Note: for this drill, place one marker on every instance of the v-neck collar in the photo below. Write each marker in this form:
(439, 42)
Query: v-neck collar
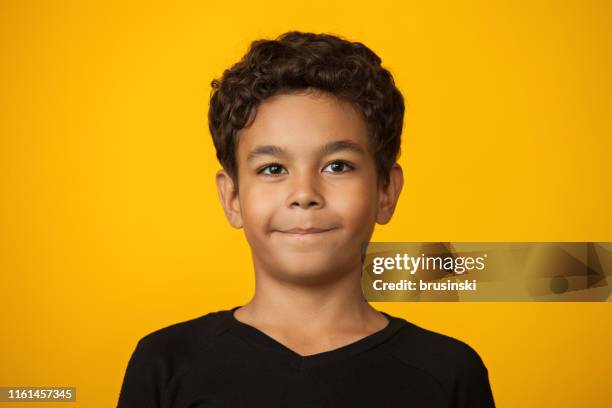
(262, 339)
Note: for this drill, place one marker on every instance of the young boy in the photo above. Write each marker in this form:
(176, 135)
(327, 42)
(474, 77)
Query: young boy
(307, 128)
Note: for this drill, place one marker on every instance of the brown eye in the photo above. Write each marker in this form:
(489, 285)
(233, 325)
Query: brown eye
(338, 167)
(272, 170)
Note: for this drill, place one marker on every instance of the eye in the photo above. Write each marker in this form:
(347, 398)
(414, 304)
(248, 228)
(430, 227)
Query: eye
(338, 166)
(272, 170)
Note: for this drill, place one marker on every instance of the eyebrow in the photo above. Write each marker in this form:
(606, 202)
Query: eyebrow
(329, 148)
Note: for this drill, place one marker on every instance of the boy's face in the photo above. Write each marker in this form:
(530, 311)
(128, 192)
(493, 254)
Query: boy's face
(308, 192)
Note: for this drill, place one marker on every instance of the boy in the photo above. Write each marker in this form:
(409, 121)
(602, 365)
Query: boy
(307, 129)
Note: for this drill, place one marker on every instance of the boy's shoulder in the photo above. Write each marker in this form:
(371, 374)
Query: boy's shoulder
(450, 361)
(428, 341)
(182, 338)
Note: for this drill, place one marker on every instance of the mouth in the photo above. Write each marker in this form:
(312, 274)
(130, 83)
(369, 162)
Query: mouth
(305, 231)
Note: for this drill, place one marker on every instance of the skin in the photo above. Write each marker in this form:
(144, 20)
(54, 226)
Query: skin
(308, 198)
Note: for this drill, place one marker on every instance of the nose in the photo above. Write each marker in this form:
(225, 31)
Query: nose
(305, 192)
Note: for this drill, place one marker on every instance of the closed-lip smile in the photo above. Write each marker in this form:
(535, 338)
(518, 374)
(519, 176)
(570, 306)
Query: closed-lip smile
(306, 231)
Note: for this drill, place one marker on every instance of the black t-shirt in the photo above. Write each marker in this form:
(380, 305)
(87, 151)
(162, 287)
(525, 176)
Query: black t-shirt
(218, 361)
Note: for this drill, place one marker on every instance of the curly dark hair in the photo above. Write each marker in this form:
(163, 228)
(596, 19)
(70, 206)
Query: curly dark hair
(298, 61)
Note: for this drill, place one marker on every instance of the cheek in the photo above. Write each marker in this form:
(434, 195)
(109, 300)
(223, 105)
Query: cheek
(357, 204)
(258, 204)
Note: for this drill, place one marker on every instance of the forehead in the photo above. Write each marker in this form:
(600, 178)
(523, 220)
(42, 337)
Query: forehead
(303, 122)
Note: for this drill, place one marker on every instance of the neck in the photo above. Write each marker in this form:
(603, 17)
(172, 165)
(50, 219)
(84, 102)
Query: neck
(337, 302)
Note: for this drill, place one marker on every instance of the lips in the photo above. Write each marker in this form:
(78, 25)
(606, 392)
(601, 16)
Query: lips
(306, 231)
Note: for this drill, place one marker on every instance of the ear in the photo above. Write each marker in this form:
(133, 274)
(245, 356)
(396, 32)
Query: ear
(229, 198)
(389, 194)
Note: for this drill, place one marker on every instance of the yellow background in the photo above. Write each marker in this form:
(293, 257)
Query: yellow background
(110, 226)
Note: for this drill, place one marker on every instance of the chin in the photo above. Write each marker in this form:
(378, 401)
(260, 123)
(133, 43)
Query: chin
(307, 271)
